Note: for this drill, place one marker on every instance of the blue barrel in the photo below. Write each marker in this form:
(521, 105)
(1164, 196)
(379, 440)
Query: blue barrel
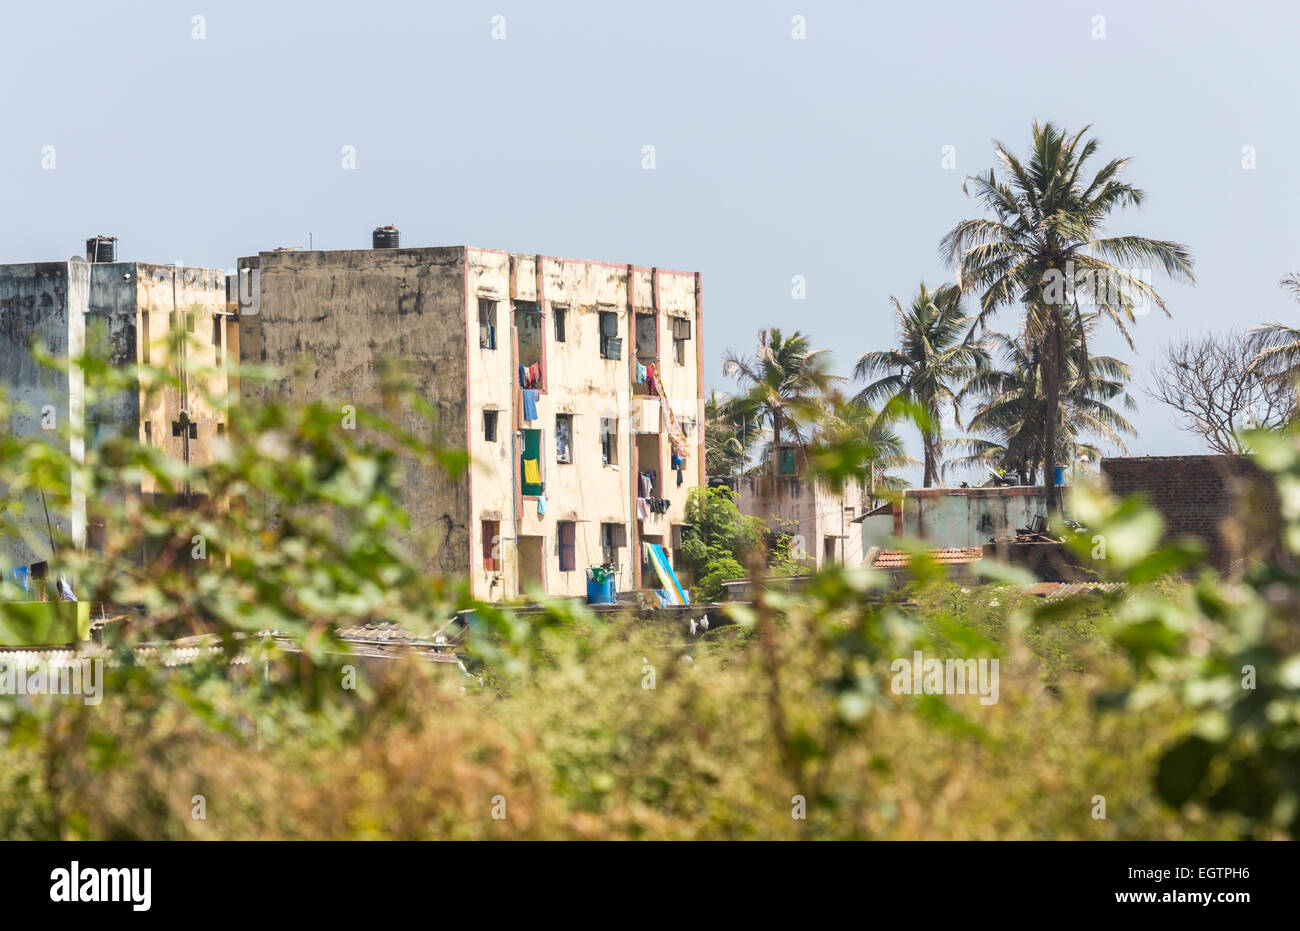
(1058, 475)
(600, 587)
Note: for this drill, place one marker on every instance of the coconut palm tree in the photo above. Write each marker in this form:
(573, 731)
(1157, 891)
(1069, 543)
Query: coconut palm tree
(1012, 407)
(1043, 249)
(1275, 347)
(727, 437)
(784, 385)
(928, 368)
(854, 440)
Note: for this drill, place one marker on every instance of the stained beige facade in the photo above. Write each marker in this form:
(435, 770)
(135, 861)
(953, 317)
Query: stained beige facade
(461, 322)
(821, 520)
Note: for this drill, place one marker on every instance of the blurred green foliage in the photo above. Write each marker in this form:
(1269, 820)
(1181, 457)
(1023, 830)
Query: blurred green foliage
(561, 724)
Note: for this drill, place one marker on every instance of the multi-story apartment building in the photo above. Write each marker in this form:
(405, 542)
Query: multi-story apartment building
(124, 312)
(574, 385)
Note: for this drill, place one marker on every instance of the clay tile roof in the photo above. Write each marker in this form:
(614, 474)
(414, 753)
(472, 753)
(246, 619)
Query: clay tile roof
(947, 555)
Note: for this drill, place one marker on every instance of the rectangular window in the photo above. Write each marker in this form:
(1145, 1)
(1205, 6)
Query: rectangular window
(681, 335)
(487, 324)
(560, 313)
(613, 537)
(530, 464)
(564, 438)
(190, 321)
(144, 337)
(568, 559)
(611, 344)
(492, 545)
(647, 337)
(788, 466)
(609, 441)
(148, 433)
(676, 541)
(528, 326)
(490, 426)
(216, 338)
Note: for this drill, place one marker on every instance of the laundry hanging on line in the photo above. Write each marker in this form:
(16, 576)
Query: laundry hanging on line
(530, 376)
(676, 438)
(532, 472)
(530, 404)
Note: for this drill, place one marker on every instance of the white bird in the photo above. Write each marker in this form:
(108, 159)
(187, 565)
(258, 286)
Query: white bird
(704, 622)
(692, 627)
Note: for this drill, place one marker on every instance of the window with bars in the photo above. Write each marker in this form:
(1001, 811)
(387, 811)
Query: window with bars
(611, 344)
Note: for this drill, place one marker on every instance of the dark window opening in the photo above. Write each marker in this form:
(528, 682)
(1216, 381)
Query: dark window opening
(681, 335)
(528, 324)
(611, 344)
(487, 324)
(490, 426)
(609, 441)
(560, 314)
(564, 438)
(144, 337)
(647, 337)
(216, 338)
(568, 558)
(492, 545)
(612, 538)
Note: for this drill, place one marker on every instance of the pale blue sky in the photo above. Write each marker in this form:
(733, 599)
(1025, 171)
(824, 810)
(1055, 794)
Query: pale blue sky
(774, 157)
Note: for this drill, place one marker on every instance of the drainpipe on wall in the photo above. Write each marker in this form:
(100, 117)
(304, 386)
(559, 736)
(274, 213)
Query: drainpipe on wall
(634, 466)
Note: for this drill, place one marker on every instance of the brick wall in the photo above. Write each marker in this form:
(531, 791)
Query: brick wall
(1226, 502)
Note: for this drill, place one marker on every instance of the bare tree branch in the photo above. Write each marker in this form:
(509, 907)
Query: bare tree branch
(1215, 393)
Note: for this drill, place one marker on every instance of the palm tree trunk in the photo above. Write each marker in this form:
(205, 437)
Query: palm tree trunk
(1053, 357)
(776, 442)
(929, 462)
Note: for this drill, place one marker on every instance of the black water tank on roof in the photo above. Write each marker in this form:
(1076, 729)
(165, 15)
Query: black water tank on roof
(101, 249)
(385, 237)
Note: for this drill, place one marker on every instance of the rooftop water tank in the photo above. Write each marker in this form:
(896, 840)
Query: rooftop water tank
(101, 249)
(385, 237)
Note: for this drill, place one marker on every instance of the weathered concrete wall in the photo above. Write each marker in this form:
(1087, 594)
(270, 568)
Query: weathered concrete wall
(43, 302)
(966, 516)
(329, 320)
(102, 308)
(811, 510)
(581, 384)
